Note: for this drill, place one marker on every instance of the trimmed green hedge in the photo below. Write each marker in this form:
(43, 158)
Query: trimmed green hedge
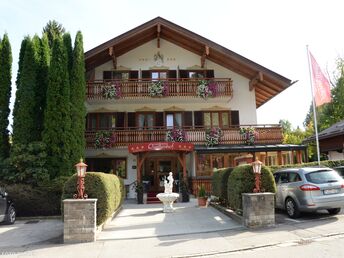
(219, 184)
(107, 188)
(42, 200)
(241, 180)
(326, 163)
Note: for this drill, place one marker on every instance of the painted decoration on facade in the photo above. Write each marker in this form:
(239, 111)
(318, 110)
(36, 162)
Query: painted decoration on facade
(160, 146)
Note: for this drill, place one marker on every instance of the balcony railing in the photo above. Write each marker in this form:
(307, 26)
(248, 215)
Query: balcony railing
(267, 134)
(140, 88)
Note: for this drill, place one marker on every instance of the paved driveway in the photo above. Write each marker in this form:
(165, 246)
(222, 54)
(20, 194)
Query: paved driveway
(142, 221)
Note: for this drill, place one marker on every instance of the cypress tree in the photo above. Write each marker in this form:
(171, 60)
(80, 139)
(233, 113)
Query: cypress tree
(24, 110)
(53, 30)
(57, 123)
(67, 41)
(5, 94)
(20, 62)
(78, 91)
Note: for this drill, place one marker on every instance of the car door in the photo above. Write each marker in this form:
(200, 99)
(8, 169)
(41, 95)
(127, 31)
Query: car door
(2, 205)
(282, 189)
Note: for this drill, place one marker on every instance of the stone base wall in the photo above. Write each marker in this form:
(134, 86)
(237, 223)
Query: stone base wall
(79, 220)
(258, 209)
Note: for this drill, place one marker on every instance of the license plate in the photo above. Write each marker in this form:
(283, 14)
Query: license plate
(331, 191)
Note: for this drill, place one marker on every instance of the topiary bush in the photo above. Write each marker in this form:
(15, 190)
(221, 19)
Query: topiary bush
(219, 184)
(241, 180)
(107, 188)
(41, 200)
(325, 163)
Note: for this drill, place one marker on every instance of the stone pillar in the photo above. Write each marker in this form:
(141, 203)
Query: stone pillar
(79, 220)
(258, 209)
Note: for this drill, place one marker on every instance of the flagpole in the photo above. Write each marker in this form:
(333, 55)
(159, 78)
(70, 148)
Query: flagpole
(314, 108)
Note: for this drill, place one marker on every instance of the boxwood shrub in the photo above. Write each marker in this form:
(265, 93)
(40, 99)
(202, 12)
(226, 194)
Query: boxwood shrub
(41, 200)
(241, 180)
(107, 188)
(325, 163)
(219, 184)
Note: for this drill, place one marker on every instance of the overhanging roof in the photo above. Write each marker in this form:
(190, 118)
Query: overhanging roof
(266, 83)
(333, 131)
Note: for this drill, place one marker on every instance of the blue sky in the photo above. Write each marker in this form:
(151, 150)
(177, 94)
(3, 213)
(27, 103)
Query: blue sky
(269, 32)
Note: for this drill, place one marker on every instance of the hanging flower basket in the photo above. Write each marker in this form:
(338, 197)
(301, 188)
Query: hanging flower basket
(206, 89)
(213, 136)
(112, 91)
(158, 89)
(104, 140)
(176, 135)
(249, 135)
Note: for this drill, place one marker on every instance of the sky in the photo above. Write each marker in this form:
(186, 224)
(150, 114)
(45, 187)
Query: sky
(269, 32)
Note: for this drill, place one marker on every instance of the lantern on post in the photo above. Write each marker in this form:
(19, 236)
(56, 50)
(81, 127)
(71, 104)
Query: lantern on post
(257, 167)
(81, 173)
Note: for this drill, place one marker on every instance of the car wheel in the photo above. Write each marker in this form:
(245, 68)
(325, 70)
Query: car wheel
(334, 211)
(11, 215)
(291, 208)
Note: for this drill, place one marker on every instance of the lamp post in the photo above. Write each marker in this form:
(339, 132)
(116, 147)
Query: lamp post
(81, 172)
(257, 167)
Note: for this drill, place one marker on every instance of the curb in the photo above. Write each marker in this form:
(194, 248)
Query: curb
(228, 212)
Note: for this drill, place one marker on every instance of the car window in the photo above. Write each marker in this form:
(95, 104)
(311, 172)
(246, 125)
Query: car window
(276, 176)
(323, 176)
(283, 178)
(294, 177)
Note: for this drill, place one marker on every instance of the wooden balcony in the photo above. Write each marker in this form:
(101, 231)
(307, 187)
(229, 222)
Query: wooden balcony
(266, 134)
(133, 89)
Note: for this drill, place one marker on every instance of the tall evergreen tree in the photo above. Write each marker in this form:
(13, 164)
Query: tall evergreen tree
(67, 40)
(5, 94)
(23, 114)
(53, 30)
(57, 121)
(21, 59)
(78, 91)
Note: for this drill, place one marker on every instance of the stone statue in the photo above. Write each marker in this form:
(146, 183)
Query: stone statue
(168, 186)
(167, 198)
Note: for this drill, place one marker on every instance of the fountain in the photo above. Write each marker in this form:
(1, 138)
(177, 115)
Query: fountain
(167, 198)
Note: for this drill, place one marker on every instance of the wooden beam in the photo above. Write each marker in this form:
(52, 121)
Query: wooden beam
(204, 56)
(258, 78)
(158, 35)
(113, 57)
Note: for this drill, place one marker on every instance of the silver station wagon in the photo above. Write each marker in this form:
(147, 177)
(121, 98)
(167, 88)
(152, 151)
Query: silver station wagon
(309, 189)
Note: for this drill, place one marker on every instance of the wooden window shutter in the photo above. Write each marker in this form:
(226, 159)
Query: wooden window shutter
(131, 119)
(198, 115)
(172, 74)
(120, 119)
(235, 118)
(146, 74)
(210, 74)
(159, 119)
(188, 118)
(183, 74)
(133, 74)
(107, 75)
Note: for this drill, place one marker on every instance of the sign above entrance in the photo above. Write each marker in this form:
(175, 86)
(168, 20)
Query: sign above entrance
(160, 146)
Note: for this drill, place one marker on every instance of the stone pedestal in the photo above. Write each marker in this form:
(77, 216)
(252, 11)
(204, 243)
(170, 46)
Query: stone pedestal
(167, 200)
(258, 209)
(79, 220)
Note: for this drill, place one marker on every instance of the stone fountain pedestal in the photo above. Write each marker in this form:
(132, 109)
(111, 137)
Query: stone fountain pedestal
(167, 199)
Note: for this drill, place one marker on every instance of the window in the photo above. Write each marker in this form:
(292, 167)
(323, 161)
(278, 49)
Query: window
(174, 120)
(116, 75)
(206, 163)
(120, 167)
(103, 121)
(146, 120)
(216, 119)
(294, 177)
(196, 74)
(157, 75)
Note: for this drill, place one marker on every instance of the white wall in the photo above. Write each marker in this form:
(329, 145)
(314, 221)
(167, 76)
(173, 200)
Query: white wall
(174, 56)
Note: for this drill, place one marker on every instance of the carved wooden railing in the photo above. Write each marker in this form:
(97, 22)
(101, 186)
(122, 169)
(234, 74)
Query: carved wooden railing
(139, 88)
(267, 134)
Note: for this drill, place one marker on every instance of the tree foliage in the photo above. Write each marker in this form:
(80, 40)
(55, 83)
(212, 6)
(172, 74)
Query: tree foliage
(53, 30)
(57, 120)
(24, 127)
(5, 94)
(78, 91)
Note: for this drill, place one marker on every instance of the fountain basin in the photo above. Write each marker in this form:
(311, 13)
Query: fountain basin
(167, 199)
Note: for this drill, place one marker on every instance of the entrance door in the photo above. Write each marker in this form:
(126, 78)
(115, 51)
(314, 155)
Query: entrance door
(156, 169)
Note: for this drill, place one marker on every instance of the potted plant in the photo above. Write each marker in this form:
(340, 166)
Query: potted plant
(183, 188)
(158, 89)
(139, 191)
(176, 135)
(202, 196)
(206, 89)
(212, 136)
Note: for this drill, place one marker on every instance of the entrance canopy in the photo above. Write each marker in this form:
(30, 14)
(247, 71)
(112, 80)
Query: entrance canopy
(160, 146)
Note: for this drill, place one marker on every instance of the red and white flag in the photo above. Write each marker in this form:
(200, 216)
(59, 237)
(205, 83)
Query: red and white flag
(321, 86)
